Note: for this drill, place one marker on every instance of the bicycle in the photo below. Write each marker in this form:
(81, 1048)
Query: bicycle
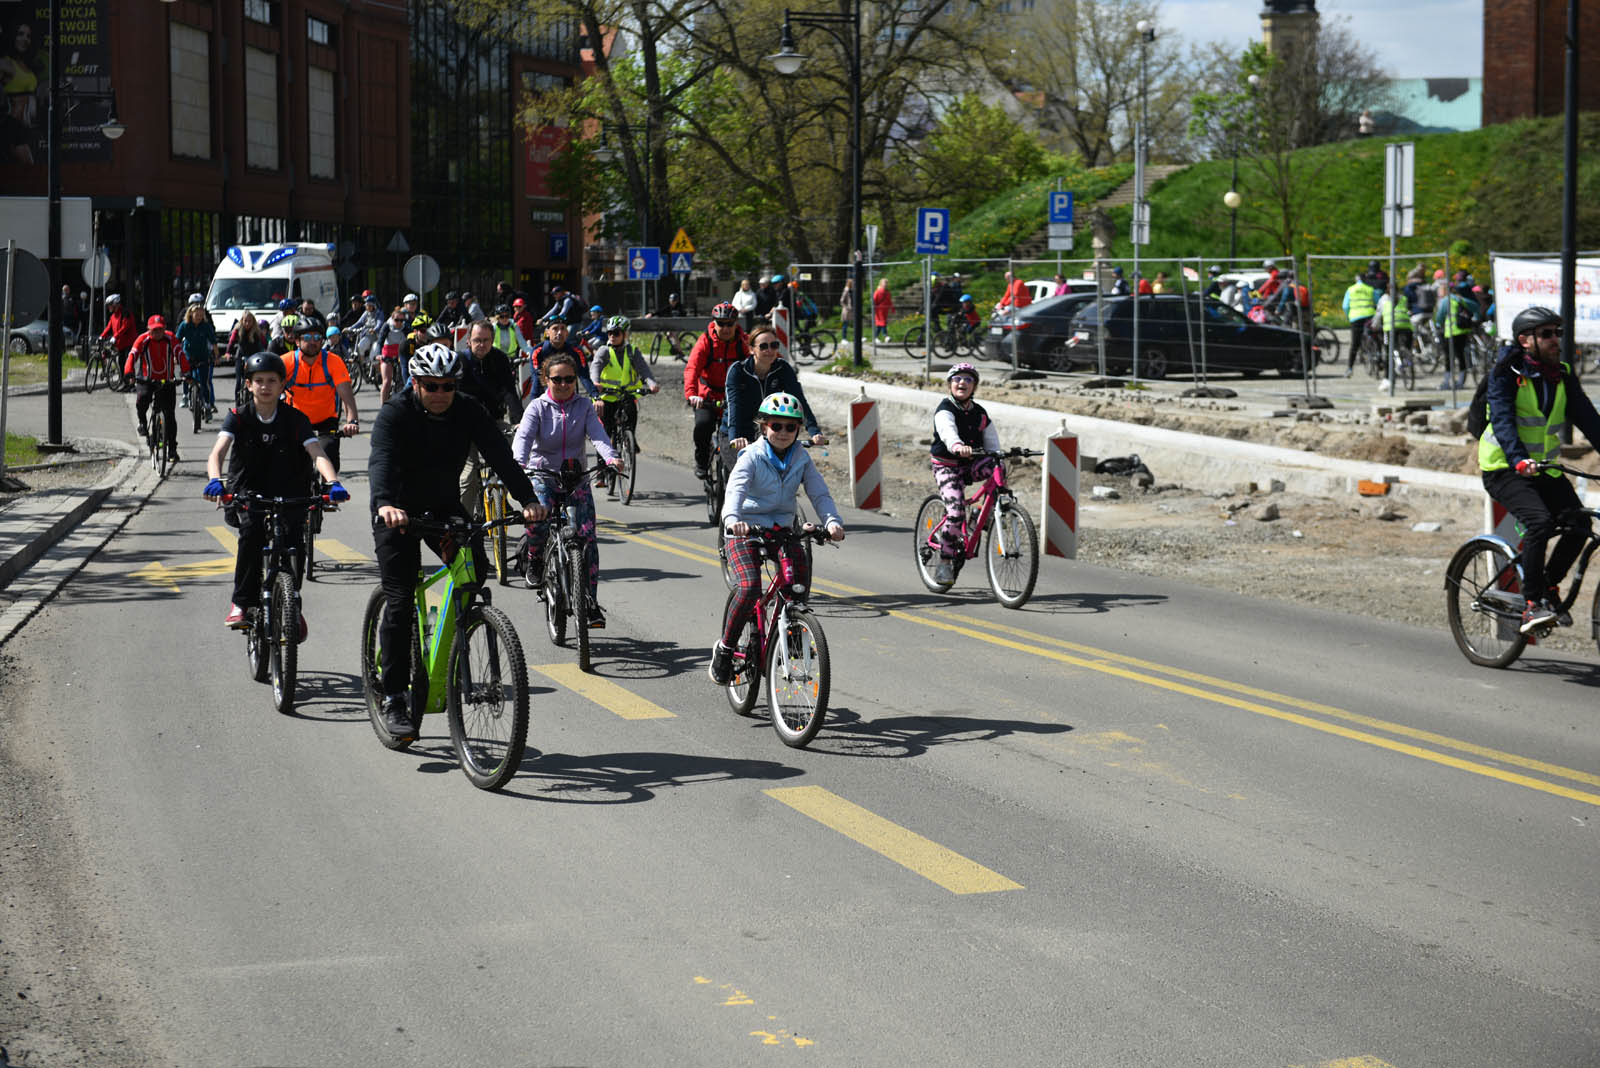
(715, 482)
(194, 402)
(466, 660)
(1483, 590)
(914, 337)
(677, 345)
(314, 525)
(272, 638)
(812, 345)
(625, 442)
(994, 519)
(161, 454)
(496, 509)
(105, 366)
(783, 643)
(1326, 344)
(566, 569)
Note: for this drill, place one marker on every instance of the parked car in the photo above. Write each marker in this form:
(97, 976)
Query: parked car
(1044, 330)
(1170, 329)
(30, 337)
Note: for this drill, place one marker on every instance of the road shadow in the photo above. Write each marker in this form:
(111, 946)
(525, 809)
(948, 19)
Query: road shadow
(610, 778)
(644, 574)
(1574, 671)
(623, 658)
(328, 697)
(845, 733)
(880, 604)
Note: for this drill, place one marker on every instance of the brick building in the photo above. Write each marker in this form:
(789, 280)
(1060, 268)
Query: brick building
(1524, 59)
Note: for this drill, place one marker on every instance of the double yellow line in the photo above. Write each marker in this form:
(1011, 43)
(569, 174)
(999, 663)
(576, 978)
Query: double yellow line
(1328, 719)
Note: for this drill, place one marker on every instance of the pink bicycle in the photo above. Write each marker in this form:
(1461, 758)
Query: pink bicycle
(993, 520)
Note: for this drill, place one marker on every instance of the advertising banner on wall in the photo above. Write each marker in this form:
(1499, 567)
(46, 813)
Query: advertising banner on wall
(542, 146)
(25, 75)
(1523, 283)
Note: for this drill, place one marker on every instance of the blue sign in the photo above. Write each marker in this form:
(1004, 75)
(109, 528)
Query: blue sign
(933, 231)
(1060, 206)
(558, 247)
(682, 262)
(644, 264)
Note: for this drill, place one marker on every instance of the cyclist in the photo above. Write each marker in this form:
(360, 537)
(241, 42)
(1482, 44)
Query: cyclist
(762, 490)
(283, 326)
(486, 377)
(617, 368)
(967, 314)
(1532, 396)
(553, 435)
(390, 344)
(556, 343)
(522, 315)
(1360, 305)
(1395, 314)
(276, 452)
(419, 442)
(199, 341)
(960, 428)
(1457, 318)
(706, 373)
(672, 309)
(454, 313)
(318, 384)
(413, 306)
(566, 307)
(752, 380)
(154, 361)
(120, 327)
(508, 336)
(593, 332)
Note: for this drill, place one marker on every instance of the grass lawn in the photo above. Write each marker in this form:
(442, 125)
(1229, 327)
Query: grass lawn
(21, 449)
(32, 369)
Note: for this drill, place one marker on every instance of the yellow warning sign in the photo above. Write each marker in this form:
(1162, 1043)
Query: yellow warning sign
(681, 243)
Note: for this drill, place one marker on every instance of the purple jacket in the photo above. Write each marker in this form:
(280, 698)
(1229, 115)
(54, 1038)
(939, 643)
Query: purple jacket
(550, 433)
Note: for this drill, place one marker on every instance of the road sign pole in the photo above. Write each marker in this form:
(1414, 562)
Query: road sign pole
(927, 318)
(5, 357)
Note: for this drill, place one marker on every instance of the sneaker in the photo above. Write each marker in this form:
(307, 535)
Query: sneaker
(701, 473)
(1563, 617)
(597, 615)
(237, 618)
(945, 573)
(144, 430)
(396, 717)
(172, 456)
(1537, 614)
(721, 669)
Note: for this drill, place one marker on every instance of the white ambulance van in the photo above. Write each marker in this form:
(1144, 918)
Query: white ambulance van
(256, 277)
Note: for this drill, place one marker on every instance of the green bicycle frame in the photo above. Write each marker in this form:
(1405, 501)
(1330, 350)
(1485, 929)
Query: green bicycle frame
(437, 639)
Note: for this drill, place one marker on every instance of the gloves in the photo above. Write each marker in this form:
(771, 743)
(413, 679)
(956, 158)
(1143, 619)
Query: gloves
(337, 493)
(214, 488)
(1527, 467)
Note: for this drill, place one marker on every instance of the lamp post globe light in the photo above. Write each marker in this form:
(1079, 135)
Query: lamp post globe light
(846, 28)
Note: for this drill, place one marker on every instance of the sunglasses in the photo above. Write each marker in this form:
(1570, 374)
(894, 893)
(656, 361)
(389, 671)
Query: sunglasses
(617, 333)
(437, 387)
(562, 380)
(1548, 332)
(784, 428)
(765, 345)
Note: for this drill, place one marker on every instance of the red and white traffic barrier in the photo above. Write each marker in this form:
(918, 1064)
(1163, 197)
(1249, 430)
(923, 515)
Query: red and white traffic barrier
(1060, 494)
(780, 323)
(1498, 521)
(866, 465)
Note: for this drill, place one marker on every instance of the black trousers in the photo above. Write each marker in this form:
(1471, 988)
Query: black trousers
(1537, 502)
(164, 395)
(399, 556)
(247, 561)
(1358, 330)
(706, 418)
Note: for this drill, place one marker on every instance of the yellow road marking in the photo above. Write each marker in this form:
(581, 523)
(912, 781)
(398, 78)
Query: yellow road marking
(338, 550)
(603, 692)
(1364, 1061)
(225, 537)
(910, 850)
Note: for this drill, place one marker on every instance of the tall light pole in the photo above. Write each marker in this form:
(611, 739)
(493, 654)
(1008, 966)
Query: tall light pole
(1232, 198)
(846, 28)
(1141, 224)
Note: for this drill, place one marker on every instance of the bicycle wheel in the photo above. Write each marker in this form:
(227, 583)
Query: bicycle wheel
(197, 409)
(728, 578)
(1327, 345)
(683, 344)
(310, 538)
(797, 678)
(358, 372)
(1484, 603)
(494, 510)
(160, 456)
(91, 373)
(555, 601)
(924, 553)
(256, 642)
(654, 352)
(1011, 550)
(824, 345)
(285, 639)
(744, 681)
(578, 585)
(628, 449)
(372, 676)
(1594, 617)
(488, 698)
(946, 344)
(716, 483)
(914, 338)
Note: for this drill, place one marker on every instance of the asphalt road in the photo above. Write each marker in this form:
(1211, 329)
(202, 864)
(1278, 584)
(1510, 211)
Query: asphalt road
(1132, 824)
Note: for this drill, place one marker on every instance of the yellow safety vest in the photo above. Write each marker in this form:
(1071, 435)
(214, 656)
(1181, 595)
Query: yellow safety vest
(1400, 305)
(1539, 434)
(618, 375)
(1362, 304)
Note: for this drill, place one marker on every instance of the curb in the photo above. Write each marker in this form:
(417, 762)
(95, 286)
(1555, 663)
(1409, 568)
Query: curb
(24, 558)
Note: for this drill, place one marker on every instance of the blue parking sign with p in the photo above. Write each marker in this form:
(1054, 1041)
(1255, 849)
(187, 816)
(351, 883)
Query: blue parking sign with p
(1061, 206)
(933, 231)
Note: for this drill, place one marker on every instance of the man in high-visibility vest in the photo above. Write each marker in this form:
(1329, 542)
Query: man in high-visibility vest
(617, 369)
(1532, 399)
(1456, 318)
(1360, 305)
(1394, 312)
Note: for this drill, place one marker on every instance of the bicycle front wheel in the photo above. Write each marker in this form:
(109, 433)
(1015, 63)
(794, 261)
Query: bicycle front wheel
(628, 449)
(715, 484)
(683, 344)
(744, 679)
(310, 538)
(197, 409)
(578, 590)
(555, 601)
(797, 678)
(494, 510)
(256, 645)
(1012, 554)
(488, 698)
(1483, 600)
(91, 373)
(914, 338)
(924, 547)
(1327, 345)
(160, 456)
(372, 675)
(285, 641)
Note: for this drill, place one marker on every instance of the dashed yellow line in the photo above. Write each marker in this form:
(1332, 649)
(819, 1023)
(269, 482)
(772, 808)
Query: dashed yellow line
(603, 692)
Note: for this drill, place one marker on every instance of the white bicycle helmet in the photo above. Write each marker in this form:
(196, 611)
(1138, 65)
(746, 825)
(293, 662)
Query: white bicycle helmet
(113, 298)
(435, 361)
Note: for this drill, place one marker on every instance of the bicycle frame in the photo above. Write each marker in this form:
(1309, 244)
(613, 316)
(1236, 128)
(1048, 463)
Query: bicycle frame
(987, 498)
(437, 639)
(775, 601)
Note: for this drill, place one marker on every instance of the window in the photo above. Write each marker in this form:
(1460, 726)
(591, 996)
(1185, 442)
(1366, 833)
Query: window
(260, 109)
(262, 11)
(319, 32)
(320, 128)
(189, 81)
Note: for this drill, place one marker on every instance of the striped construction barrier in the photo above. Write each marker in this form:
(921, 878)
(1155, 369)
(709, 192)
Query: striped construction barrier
(1059, 491)
(780, 323)
(866, 465)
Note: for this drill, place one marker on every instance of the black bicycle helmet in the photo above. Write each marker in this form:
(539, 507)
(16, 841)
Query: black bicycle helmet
(262, 362)
(1531, 319)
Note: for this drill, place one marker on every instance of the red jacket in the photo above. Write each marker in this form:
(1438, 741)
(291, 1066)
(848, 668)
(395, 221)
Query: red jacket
(1018, 295)
(154, 358)
(709, 360)
(122, 330)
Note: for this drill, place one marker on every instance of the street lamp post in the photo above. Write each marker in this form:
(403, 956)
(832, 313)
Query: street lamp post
(1232, 198)
(789, 61)
(1141, 228)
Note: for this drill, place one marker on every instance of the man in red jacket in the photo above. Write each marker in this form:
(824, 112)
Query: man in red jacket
(156, 361)
(720, 347)
(1018, 294)
(120, 327)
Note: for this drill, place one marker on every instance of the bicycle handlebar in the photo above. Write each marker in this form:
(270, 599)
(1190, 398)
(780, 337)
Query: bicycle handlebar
(1017, 453)
(426, 523)
(1539, 465)
(779, 535)
(248, 498)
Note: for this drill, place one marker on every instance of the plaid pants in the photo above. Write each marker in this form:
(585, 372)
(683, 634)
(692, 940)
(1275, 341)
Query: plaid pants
(744, 560)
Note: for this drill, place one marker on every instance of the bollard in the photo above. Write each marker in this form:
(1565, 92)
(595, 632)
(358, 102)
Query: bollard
(866, 466)
(1498, 521)
(1060, 494)
(780, 323)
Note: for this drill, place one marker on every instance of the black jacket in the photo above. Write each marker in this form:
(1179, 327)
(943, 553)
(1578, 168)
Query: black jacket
(417, 458)
(745, 392)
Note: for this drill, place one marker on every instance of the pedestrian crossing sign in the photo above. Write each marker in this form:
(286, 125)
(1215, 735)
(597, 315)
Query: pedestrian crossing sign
(681, 243)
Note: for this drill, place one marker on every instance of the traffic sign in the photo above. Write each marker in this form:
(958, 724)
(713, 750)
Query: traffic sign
(558, 247)
(1399, 192)
(398, 245)
(1059, 206)
(933, 231)
(644, 264)
(1059, 238)
(30, 290)
(681, 243)
(97, 269)
(421, 273)
(682, 262)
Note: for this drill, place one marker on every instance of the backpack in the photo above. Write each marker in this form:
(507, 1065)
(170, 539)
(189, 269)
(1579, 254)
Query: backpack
(1465, 319)
(1478, 407)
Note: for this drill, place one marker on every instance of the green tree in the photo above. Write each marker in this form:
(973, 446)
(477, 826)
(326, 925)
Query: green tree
(976, 151)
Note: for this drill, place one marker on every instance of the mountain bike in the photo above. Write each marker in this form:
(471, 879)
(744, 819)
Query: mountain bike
(313, 527)
(193, 402)
(715, 482)
(496, 510)
(104, 369)
(161, 454)
(1483, 589)
(272, 639)
(914, 338)
(782, 643)
(1326, 344)
(625, 441)
(809, 345)
(675, 345)
(992, 518)
(566, 568)
(466, 659)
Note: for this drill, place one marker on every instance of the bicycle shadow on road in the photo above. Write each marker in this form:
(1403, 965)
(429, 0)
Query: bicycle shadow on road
(625, 659)
(877, 604)
(328, 697)
(845, 733)
(629, 778)
(1574, 671)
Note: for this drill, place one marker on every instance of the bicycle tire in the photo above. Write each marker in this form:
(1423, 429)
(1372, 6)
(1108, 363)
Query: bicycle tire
(358, 372)
(824, 344)
(1486, 629)
(744, 679)
(945, 344)
(1327, 344)
(372, 676)
(555, 601)
(488, 725)
(728, 578)
(930, 517)
(716, 485)
(255, 648)
(494, 510)
(627, 448)
(1012, 574)
(310, 538)
(654, 352)
(577, 582)
(197, 409)
(285, 638)
(798, 678)
(91, 373)
(159, 452)
(683, 344)
(1594, 617)
(914, 338)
